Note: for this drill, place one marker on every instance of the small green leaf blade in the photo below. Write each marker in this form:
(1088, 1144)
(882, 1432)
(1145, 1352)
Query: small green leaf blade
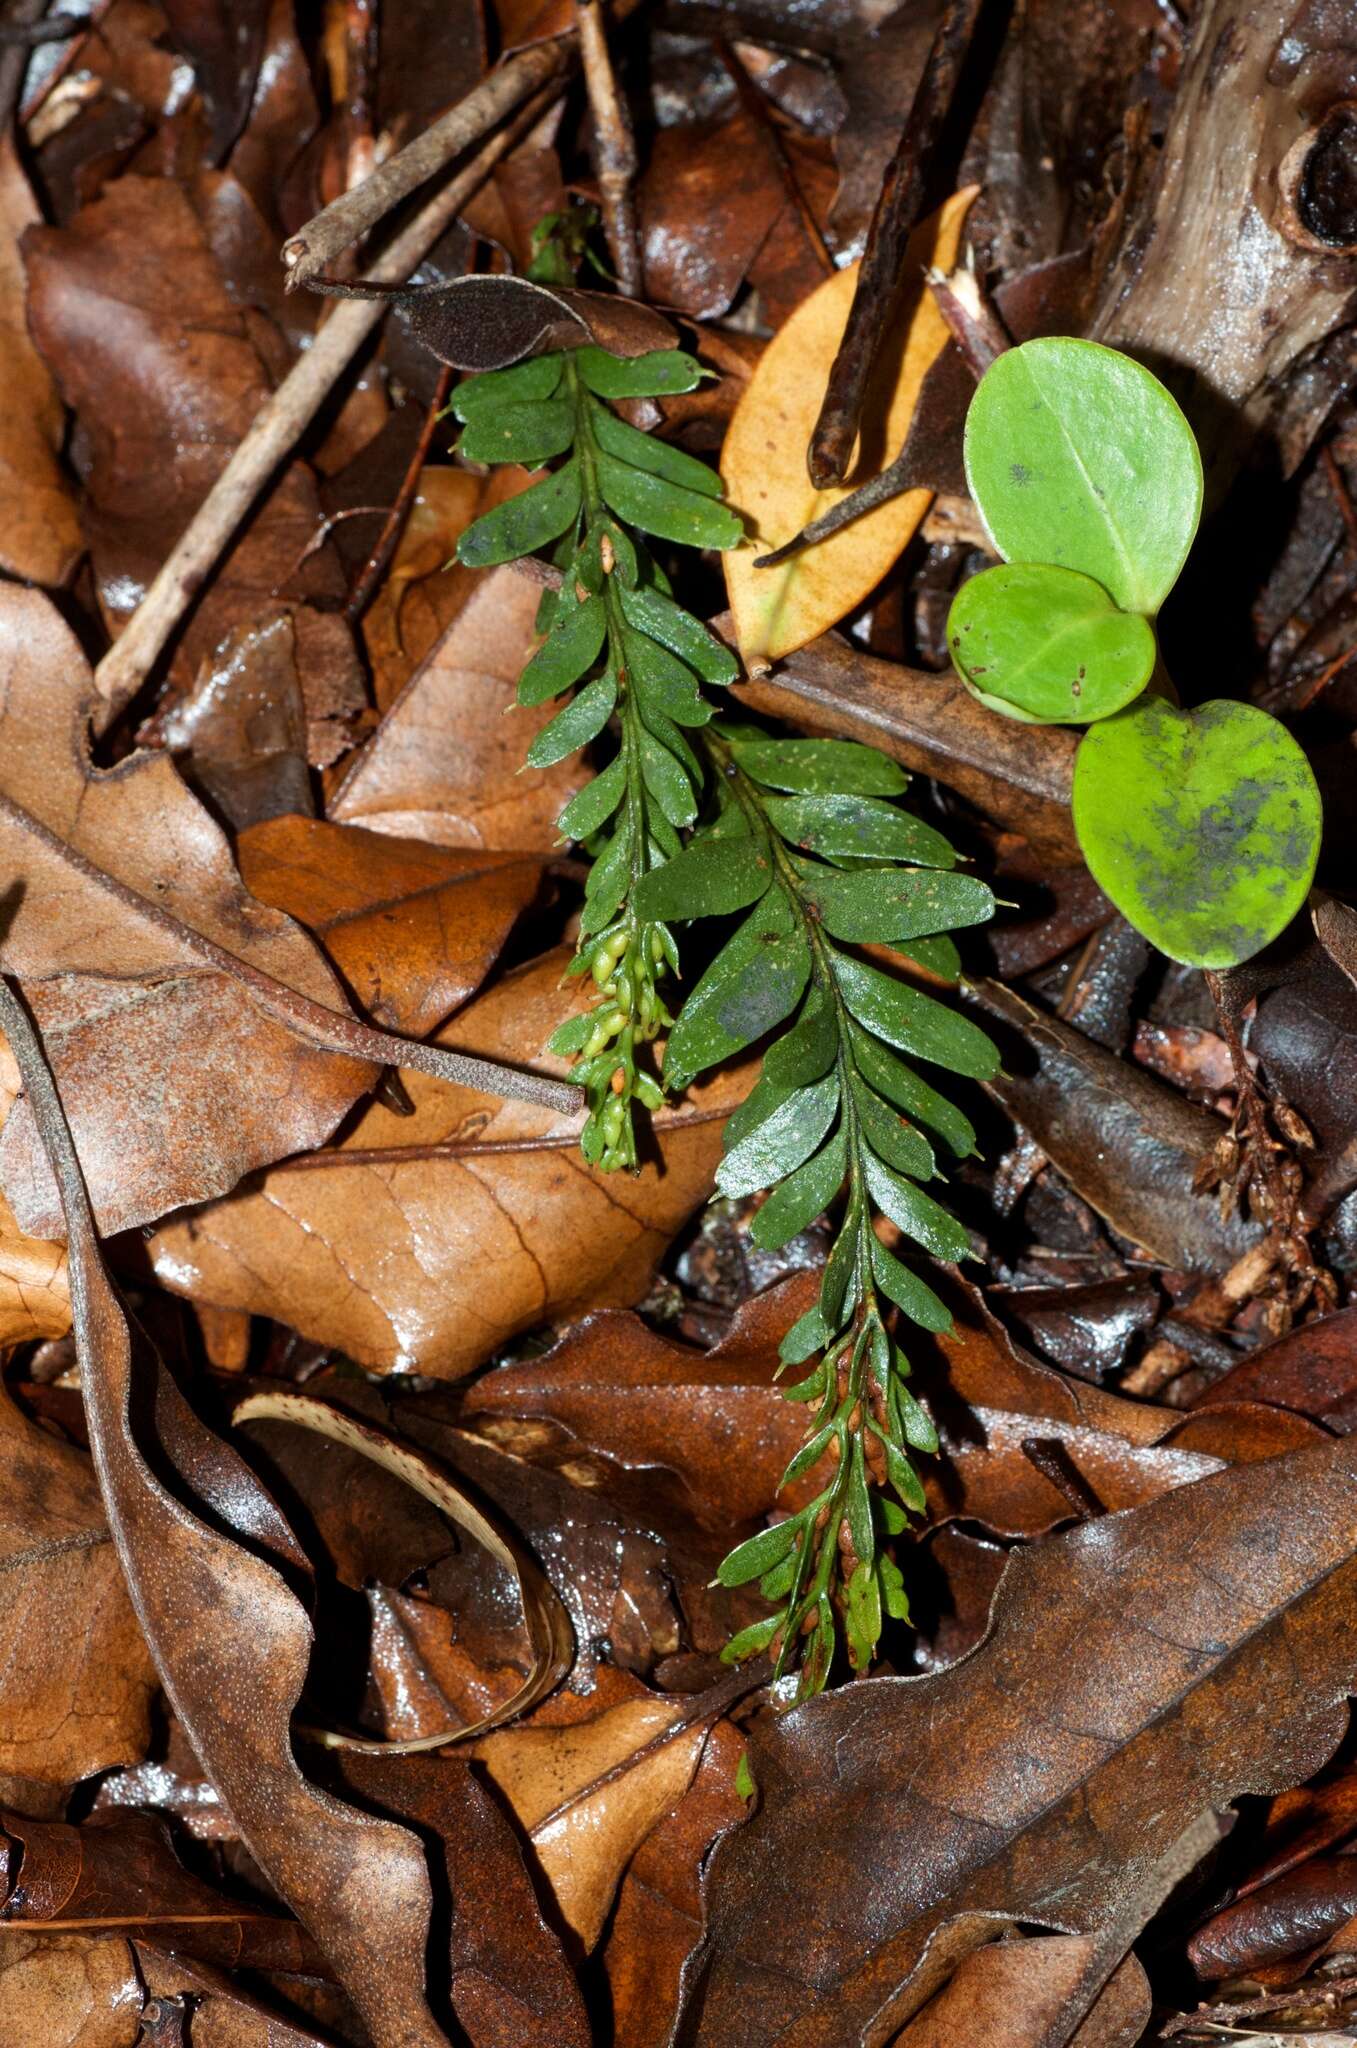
(1047, 646)
(914, 1212)
(908, 1091)
(782, 1142)
(794, 1205)
(857, 828)
(659, 458)
(523, 524)
(753, 983)
(820, 767)
(1202, 826)
(710, 879)
(595, 803)
(886, 906)
(1077, 456)
(582, 720)
(569, 651)
(661, 374)
(914, 1022)
(666, 509)
(530, 434)
(525, 384)
(661, 619)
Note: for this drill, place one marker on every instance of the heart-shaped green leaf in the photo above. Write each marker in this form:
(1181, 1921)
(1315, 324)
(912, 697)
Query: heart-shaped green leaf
(1077, 456)
(1202, 826)
(1047, 645)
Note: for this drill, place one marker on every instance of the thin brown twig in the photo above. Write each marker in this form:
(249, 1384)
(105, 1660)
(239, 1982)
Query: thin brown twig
(614, 149)
(1338, 484)
(971, 317)
(314, 249)
(880, 275)
(756, 106)
(275, 431)
(377, 563)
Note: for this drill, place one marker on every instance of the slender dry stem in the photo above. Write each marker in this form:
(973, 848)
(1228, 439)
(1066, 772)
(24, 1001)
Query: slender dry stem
(614, 150)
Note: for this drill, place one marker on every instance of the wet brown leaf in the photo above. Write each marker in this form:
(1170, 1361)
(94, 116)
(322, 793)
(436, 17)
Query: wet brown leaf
(1312, 1369)
(76, 1680)
(1285, 1918)
(68, 1991)
(132, 311)
(176, 1082)
(40, 538)
(1137, 1671)
(446, 764)
(230, 1640)
(419, 1244)
(1017, 1994)
(35, 1294)
(121, 1873)
(1123, 1140)
(413, 927)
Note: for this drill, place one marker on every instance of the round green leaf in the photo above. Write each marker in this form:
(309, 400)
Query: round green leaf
(1047, 645)
(1077, 456)
(1202, 826)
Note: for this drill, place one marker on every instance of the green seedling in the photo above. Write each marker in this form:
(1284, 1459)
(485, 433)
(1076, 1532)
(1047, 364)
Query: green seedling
(1202, 825)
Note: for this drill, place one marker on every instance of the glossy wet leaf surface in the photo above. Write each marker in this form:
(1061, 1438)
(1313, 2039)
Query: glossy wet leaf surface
(1047, 645)
(1078, 457)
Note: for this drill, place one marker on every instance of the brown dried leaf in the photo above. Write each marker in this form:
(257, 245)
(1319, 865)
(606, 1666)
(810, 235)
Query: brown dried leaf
(1312, 1369)
(77, 1680)
(1137, 1671)
(1282, 1919)
(120, 1873)
(75, 1990)
(420, 1243)
(40, 539)
(133, 312)
(414, 928)
(35, 1293)
(1123, 1140)
(1016, 1994)
(230, 1640)
(445, 764)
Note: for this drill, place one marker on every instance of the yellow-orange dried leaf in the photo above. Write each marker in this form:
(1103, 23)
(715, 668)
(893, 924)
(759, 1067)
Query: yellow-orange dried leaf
(764, 459)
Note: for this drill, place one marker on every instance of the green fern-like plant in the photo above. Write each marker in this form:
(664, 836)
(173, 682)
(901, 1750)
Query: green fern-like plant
(625, 652)
(804, 842)
(808, 846)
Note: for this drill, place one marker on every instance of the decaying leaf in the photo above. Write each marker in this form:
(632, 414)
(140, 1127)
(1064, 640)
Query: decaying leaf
(40, 537)
(1137, 1671)
(420, 1243)
(763, 462)
(76, 1680)
(35, 1294)
(446, 764)
(229, 1638)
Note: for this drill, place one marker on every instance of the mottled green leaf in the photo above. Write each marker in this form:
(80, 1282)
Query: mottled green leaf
(525, 383)
(860, 827)
(821, 767)
(806, 1336)
(530, 434)
(709, 879)
(569, 651)
(841, 1286)
(887, 905)
(916, 1213)
(782, 1141)
(914, 1022)
(800, 1056)
(753, 983)
(582, 720)
(752, 1559)
(658, 616)
(608, 881)
(657, 375)
(523, 524)
(939, 955)
(1047, 645)
(1078, 457)
(1202, 826)
(797, 1202)
(666, 509)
